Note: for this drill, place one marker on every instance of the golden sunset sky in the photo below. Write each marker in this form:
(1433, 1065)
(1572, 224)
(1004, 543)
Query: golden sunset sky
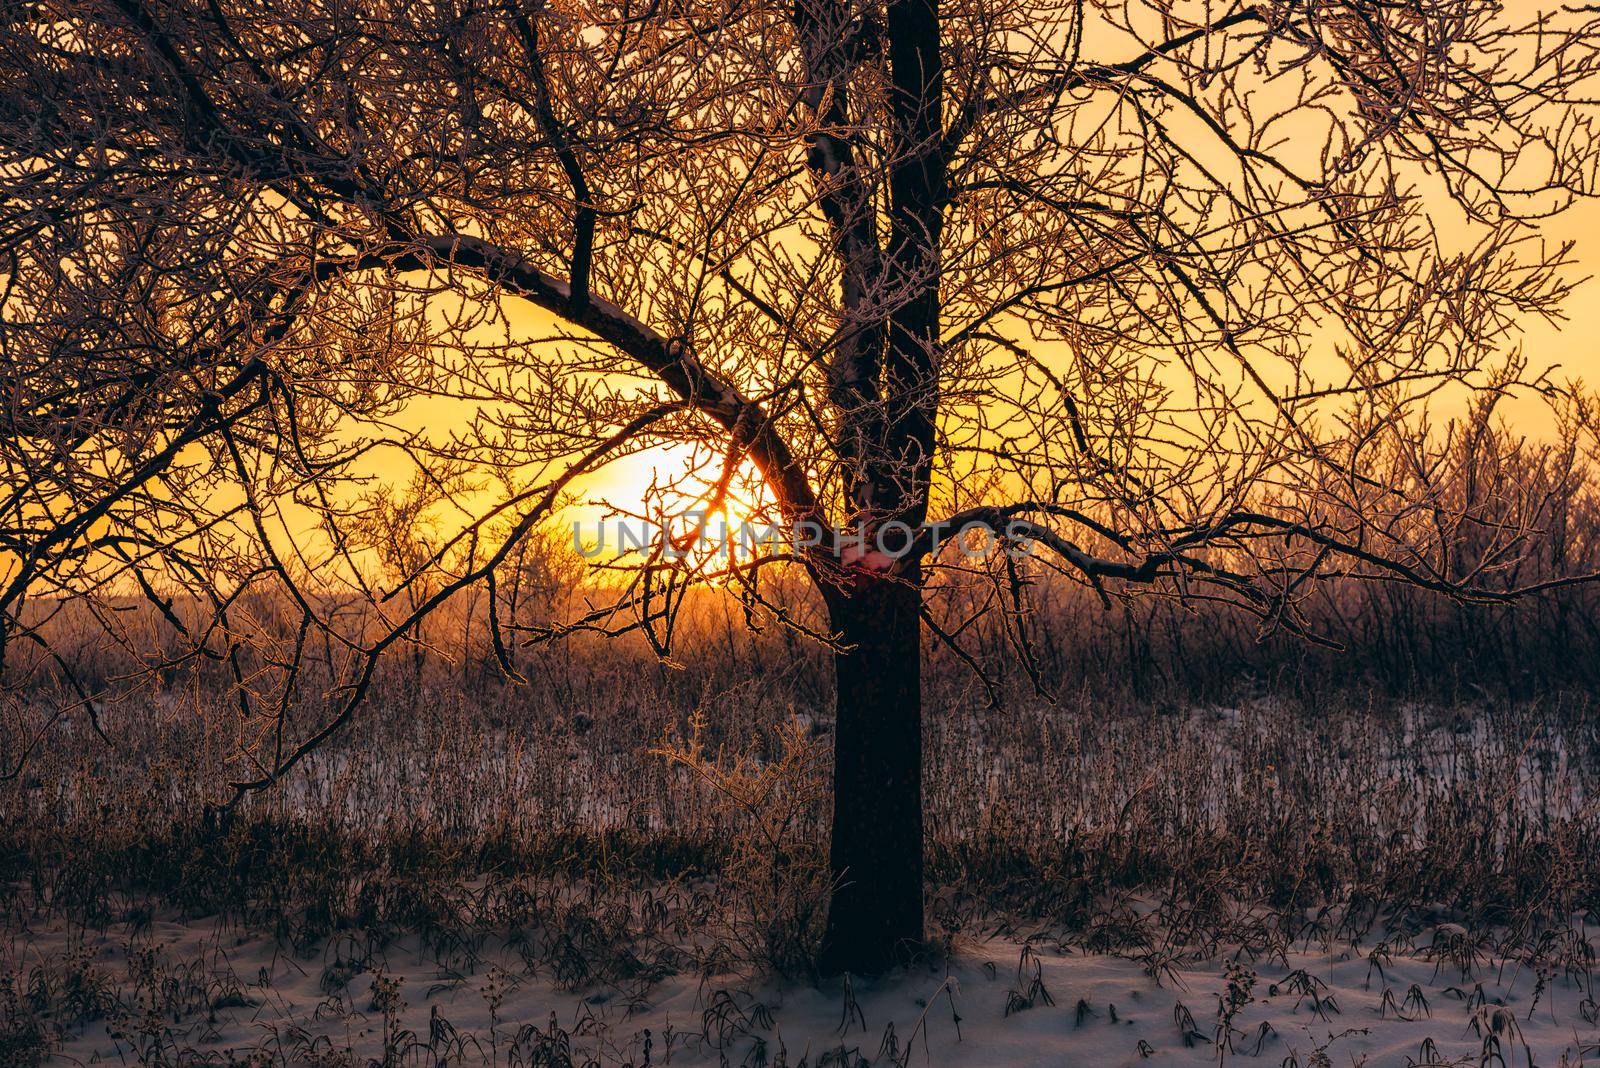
(1570, 347)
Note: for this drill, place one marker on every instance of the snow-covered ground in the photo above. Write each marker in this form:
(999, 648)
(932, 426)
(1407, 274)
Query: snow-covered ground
(208, 989)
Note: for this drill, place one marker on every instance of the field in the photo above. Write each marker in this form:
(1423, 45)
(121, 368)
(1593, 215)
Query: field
(625, 864)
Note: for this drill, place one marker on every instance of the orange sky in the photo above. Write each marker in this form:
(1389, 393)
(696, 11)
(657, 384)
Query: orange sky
(1573, 346)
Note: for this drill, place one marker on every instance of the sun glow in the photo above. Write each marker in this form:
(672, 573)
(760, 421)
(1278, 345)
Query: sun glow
(681, 490)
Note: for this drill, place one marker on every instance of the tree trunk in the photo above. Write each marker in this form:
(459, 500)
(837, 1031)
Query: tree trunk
(875, 917)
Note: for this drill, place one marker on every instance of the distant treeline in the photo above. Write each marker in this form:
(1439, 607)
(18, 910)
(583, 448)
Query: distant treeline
(1501, 513)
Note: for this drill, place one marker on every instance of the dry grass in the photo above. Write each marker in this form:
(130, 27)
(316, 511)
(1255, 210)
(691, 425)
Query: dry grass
(623, 822)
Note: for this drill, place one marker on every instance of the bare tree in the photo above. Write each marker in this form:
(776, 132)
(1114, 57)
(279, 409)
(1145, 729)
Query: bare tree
(1174, 291)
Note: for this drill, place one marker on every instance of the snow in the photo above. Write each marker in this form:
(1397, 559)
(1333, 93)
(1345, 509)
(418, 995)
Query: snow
(996, 1001)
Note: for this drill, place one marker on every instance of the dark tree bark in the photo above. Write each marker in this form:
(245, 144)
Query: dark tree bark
(875, 916)
(875, 919)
